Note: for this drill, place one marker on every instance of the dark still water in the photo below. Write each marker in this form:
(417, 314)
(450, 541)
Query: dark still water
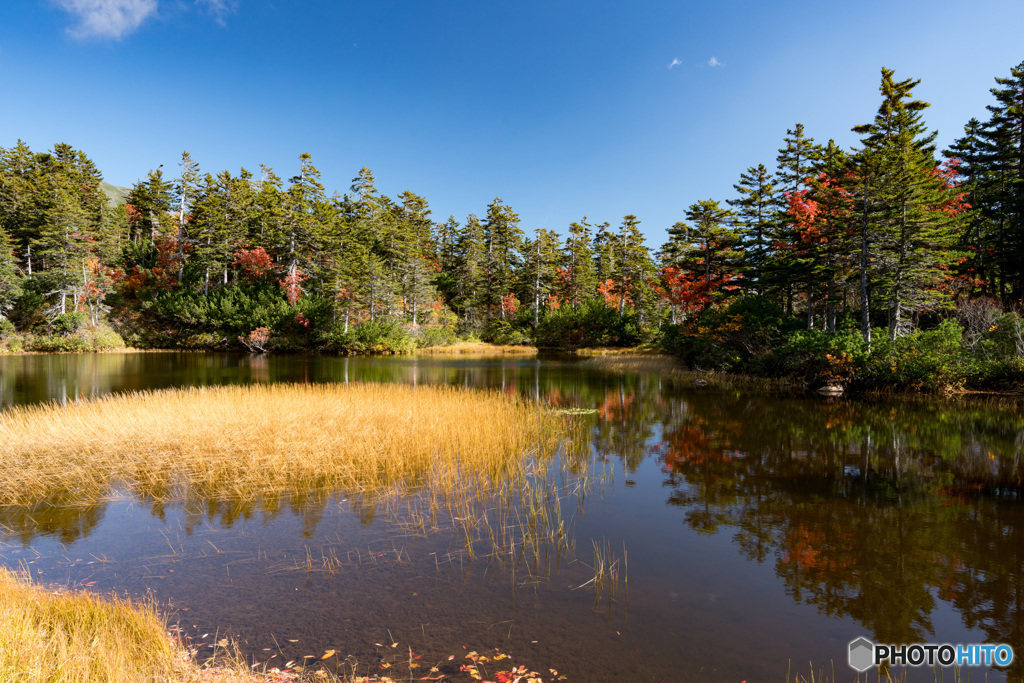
(751, 535)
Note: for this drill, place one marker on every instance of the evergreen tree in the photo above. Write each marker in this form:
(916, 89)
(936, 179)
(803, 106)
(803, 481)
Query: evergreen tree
(1005, 133)
(578, 277)
(823, 220)
(151, 204)
(914, 216)
(185, 189)
(606, 255)
(10, 278)
(470, 271)
(632, 267)
(969, 157)
(795, 161)
(755, 219)
(21, 200)
(503, 240)
(416, 254)
(707, 248)
(540, 269)
(307, 220)
(446, 236)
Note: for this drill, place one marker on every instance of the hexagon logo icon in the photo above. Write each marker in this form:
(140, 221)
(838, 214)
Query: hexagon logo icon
(862, 654)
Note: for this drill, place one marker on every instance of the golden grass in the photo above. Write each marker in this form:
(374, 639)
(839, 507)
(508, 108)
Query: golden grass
(246, 442)
(74, 636)
(62, 636)
(476, 348)
(619, 351)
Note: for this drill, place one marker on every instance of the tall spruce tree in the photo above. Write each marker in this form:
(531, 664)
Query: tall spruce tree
(755, 218)
(503, 241)
(540, 268)
(968, 155)
(10, 278)
(186, 189)
(912, 218)
(579, 280)
(151, 203)
(1005, 133)
(708, 249)
(795, 161)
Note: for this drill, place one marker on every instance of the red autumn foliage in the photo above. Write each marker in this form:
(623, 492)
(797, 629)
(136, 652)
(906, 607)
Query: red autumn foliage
(292, 284)
(254, 263)
(509, 303)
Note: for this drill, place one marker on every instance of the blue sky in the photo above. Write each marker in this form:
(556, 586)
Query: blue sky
(561, 108)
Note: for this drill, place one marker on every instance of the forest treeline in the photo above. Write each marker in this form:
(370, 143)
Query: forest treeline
(893, 262)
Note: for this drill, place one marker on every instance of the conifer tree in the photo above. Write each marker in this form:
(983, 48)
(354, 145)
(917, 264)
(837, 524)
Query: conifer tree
(21, 203)
(151, 201)
(914, 217)
(446, 237)
(470, 271)
(503, 241)
(969, 157)
(632, 267)
(10, 278)
(606, 255)
(540, 269)
(795, 161)
(186, 189)
(307, 218)
(822, 216)
(579, 280)
(1005, 133)
(755, 220)
(707, 248)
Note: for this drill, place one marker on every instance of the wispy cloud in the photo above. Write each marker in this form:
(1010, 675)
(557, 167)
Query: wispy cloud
(674, 63)
(218, 8)
(714, 62)
(107, 18)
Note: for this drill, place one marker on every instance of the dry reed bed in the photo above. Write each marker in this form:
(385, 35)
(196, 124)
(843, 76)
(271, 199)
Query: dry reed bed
(76, 637)
(476, 349)
(246, 442)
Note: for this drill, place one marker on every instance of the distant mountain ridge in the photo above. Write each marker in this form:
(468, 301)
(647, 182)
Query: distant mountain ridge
(115, 195)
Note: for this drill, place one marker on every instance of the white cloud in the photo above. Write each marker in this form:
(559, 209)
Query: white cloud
(674, 63)
(218, 8)
(714, 62)
(107, 18)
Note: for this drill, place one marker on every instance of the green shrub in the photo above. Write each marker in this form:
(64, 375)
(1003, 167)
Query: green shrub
(594, 324)
(819, 357)
(504, 333)
(932, 359)
(68, 323)
(376, 336)
(435, 336)
(102, 338)
(57, 343)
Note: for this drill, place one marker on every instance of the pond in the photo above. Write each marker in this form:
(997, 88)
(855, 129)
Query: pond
(744, 536)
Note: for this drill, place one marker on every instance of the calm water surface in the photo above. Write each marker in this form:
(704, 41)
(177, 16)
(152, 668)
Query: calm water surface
(758, 535)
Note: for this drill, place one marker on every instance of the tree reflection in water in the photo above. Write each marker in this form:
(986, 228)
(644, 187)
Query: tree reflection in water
(870, 512)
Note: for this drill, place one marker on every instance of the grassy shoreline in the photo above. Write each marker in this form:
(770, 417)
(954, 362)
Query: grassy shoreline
(56, 635)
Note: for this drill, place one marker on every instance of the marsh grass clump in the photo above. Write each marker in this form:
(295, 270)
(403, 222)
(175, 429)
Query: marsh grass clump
(470, 348)
(264, 441)
(72, 637)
